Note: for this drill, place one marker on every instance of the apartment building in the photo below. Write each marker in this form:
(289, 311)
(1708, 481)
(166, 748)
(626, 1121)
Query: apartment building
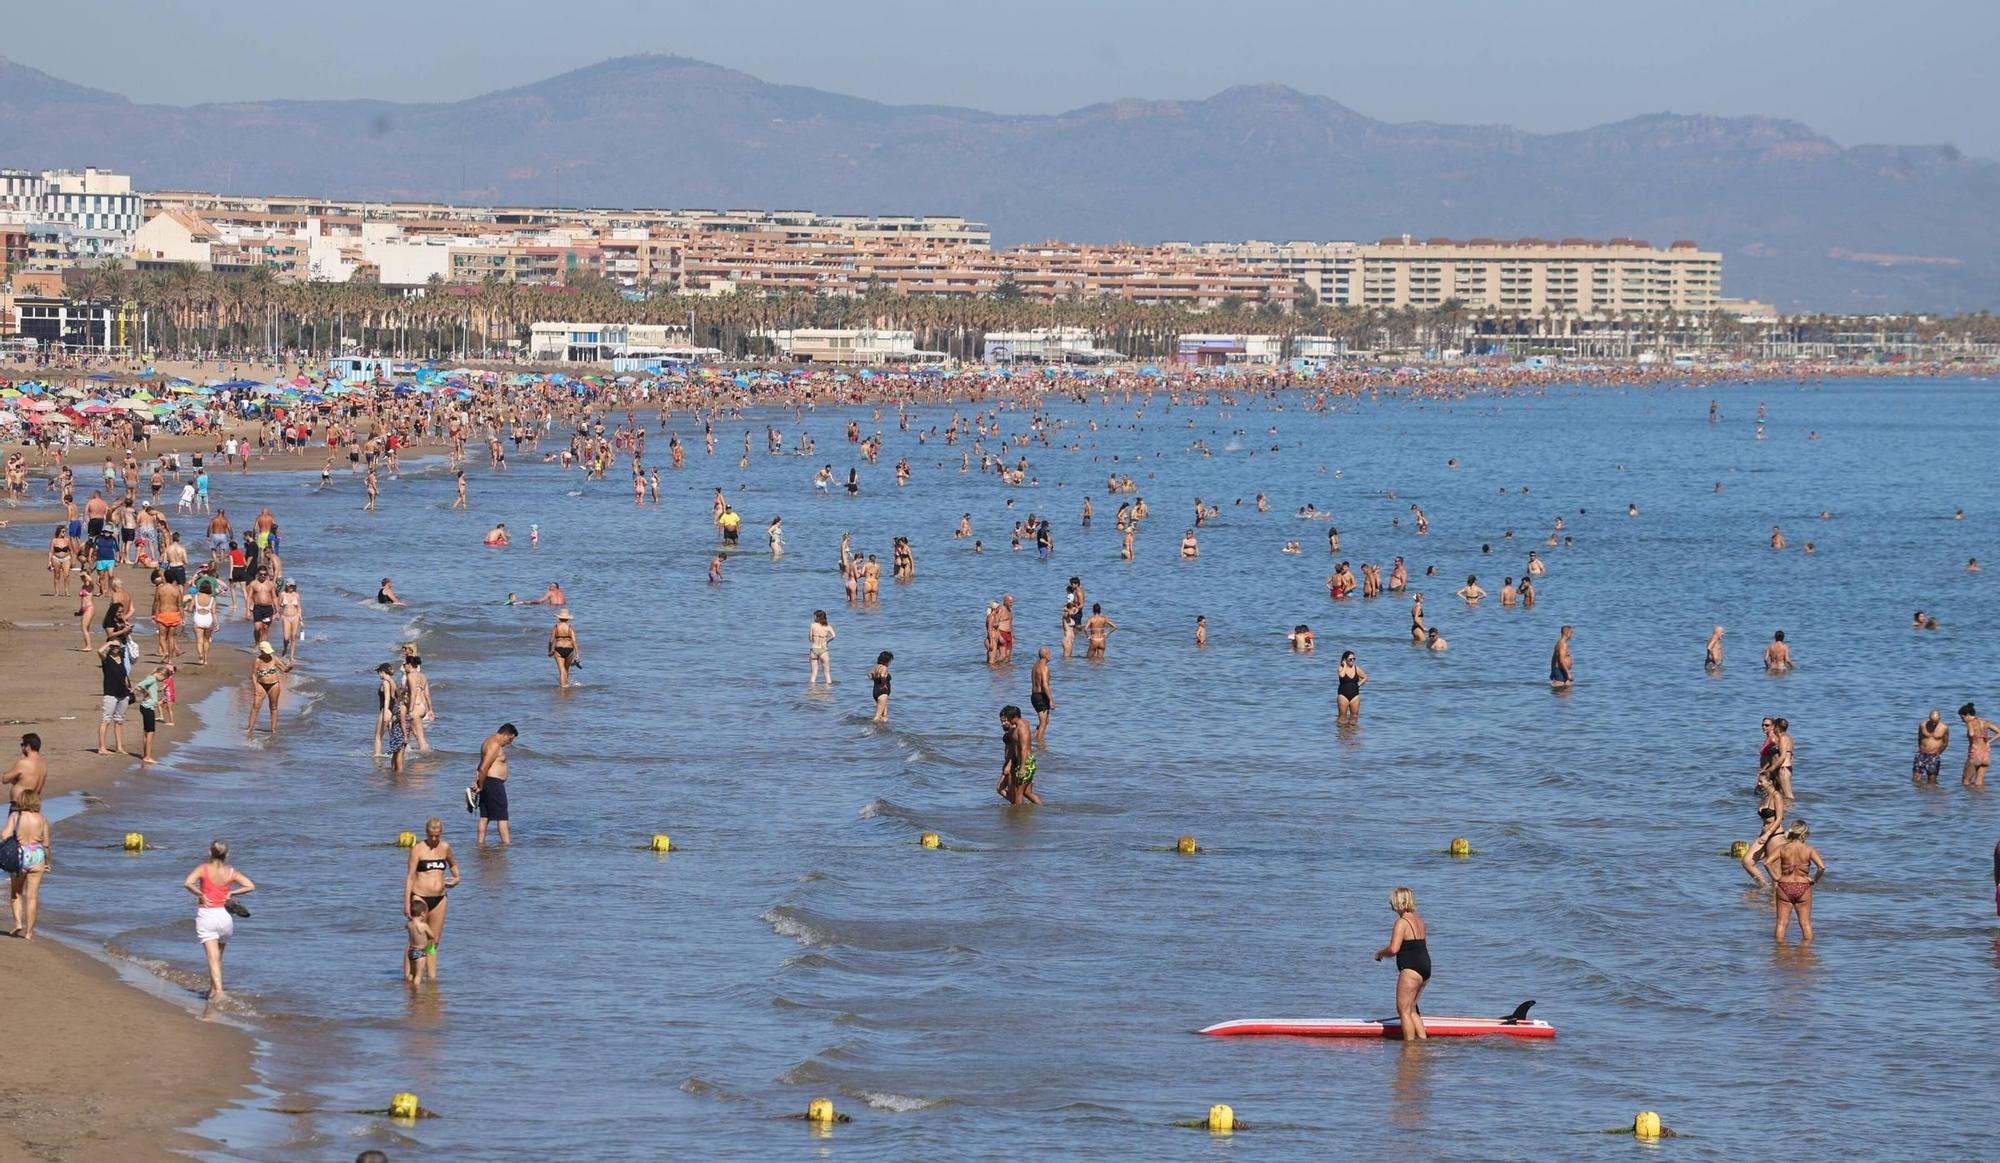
(1577, 277)
(949, 229)
(94, 200)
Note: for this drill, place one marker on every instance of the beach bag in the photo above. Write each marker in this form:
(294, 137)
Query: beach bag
(10, 855)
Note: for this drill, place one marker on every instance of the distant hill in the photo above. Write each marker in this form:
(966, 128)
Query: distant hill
(1800, 220)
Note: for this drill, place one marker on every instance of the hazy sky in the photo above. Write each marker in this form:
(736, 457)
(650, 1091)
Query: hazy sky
(1908, 72)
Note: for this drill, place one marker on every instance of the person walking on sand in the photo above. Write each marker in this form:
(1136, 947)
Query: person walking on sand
(1409, 944)
(564, 648)
(819, 637)
(1796, 866)
(878, 677)
(28, 827)
(489, 783)
(216, 886)
(431, 873)
(117, 691)
(29, 772)
(267, 672)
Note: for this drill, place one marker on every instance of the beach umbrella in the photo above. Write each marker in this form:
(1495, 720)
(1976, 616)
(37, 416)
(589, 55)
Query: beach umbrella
(56, 418)
(40, 405)
(9, 418)
(162, 409)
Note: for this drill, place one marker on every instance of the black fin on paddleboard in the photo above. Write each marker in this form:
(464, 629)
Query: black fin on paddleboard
(1520, 1013)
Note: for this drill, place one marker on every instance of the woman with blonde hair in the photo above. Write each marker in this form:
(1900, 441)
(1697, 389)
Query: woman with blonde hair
(1408, 946)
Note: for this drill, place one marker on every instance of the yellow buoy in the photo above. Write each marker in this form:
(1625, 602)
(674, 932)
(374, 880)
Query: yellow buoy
(820, 1110)
(1646, 1125)
(1186, 846)
(930, 840)
(406, 840)
(662, 844)
(1740, 849)
(1221, 1118)
(403, 1105)
(135, 842)
(1460, 846)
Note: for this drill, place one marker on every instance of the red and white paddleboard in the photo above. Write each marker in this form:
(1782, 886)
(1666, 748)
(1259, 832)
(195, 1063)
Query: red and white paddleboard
(1517, 1026)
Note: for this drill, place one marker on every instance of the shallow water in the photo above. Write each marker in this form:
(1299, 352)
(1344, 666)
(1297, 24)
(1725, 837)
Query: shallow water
(1034, 987)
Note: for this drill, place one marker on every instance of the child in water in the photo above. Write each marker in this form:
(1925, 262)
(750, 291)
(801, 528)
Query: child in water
(419, 957)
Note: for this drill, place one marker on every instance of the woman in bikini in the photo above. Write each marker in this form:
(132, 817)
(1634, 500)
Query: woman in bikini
(204, 612)
(563, 647)
(432, 872)
(292, 617)
(818, 635)
(27, 825)
(1796, 866)
(59, 561)
(267, 673)
(1409, 945)
(86, 609)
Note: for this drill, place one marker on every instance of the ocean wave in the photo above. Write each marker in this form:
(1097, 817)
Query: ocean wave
(899, 1103)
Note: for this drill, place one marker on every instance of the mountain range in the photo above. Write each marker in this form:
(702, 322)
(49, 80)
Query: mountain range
(1800, 220)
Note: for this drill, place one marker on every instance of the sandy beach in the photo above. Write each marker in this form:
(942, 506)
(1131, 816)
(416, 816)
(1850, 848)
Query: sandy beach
(101, 1048)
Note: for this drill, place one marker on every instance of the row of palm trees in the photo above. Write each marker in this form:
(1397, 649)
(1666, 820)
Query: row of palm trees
(188, 311)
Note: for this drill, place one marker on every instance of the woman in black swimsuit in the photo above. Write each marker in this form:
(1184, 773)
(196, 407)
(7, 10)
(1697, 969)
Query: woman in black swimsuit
(1407, 944)
(879, 675)
(1347, 695)
(432, 872)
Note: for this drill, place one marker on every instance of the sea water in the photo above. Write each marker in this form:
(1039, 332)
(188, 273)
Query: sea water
(1033, 988)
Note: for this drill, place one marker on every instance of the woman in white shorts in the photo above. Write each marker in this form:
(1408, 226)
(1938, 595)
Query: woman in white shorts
(215, 884)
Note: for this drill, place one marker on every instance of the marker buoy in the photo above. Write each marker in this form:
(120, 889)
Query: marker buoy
(662, 844)
(135, 842)
(403, 1105)
(1187, 847)
(1461, 847)
(1646, 1125)
(406, 840)
(820, 1110)
(1221, 1118)
(930, 840)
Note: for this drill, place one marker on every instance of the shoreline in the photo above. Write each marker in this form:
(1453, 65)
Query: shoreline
(102, 1044)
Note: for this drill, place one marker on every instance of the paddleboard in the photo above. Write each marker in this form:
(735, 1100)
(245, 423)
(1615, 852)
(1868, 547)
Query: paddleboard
(1516, 1025)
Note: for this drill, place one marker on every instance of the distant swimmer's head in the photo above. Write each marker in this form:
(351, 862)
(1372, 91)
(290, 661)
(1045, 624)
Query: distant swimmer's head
(1402, 899)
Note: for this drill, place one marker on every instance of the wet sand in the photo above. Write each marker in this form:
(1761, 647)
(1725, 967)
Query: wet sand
(108, 1071)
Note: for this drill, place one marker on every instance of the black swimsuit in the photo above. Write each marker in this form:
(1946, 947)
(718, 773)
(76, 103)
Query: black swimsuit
(1415, 954)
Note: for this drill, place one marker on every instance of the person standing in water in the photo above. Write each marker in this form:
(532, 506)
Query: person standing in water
(1933, 736)
(432, 872)
(1349, 679)
(1979, 737)
(215, 886)
(489, 783)
(564, 648)
(1017, 764)
(879, 679)
(819, 636)
(1713, 659)
(1039, 697)
(1559, 663)
(1409, 945)
(1778, 655)
(1796, 866)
